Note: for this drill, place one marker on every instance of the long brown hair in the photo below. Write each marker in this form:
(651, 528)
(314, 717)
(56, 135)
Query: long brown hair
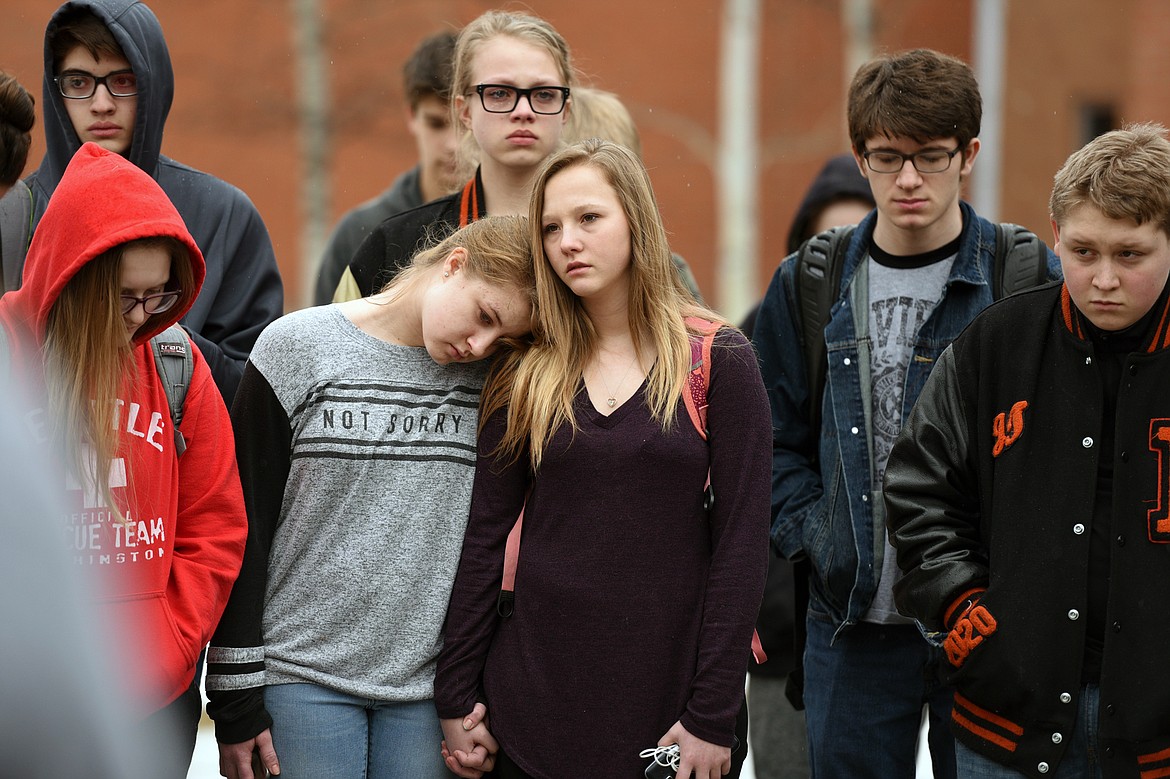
(89, 360)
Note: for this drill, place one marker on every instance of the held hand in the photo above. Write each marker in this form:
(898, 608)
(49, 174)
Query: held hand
(251, 759)
(697, 758)
(468, 747)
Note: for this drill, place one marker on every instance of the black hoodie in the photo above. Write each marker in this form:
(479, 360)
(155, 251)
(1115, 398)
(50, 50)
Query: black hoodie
(242, 292)
(838, 180)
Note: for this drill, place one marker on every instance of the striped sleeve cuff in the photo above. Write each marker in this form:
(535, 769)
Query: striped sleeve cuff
(235, 668)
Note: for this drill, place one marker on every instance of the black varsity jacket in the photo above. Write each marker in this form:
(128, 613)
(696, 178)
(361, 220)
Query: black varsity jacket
(990, 491)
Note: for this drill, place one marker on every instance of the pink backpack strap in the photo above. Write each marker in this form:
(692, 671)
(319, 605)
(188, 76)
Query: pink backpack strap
(695, 399)
(699, 375)
(505, 603)
(758, 652)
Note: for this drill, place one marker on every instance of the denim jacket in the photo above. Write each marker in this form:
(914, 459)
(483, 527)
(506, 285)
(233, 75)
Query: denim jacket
(824, 502)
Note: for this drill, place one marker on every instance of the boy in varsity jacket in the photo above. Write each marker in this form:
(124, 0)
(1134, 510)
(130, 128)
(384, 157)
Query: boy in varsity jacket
(1027, 493)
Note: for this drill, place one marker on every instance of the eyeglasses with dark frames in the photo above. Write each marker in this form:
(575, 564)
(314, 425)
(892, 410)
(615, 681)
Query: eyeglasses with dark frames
(79, 85)
(503, 99)
(929, 161)
(151, 304)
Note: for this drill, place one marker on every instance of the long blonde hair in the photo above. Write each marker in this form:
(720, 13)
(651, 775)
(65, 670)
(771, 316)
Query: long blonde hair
(538, 386)
(89, 360)
(488, 25)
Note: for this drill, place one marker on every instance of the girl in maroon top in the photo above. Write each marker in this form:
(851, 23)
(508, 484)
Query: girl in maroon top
(634, 604)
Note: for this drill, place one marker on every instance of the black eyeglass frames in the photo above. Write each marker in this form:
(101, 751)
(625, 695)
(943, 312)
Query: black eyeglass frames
(503, 99)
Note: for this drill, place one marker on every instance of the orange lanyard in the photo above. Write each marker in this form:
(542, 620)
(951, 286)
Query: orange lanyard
(469, 204)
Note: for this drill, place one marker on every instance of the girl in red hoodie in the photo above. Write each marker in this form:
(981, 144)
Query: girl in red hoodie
(112, 265)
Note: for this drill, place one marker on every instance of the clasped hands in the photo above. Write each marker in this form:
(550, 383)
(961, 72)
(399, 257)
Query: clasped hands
(468, 748)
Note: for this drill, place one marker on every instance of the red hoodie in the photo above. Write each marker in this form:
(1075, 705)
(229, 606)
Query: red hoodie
(169, 569)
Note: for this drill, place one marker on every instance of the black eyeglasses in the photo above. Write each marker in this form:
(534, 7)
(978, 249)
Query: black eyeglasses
(503, 99)
(79, 85)
(151, 304)
(932, 161)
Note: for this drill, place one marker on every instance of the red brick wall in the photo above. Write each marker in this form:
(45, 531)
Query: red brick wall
(235, 109)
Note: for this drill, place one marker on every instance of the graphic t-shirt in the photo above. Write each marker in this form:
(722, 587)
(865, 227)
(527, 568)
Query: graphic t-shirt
(903, 291)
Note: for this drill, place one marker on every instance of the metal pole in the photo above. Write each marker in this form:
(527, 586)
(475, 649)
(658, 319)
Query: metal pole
(312, 86)
(738, 159)
(990, 30)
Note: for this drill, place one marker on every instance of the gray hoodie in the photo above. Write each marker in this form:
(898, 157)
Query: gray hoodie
(242, 293)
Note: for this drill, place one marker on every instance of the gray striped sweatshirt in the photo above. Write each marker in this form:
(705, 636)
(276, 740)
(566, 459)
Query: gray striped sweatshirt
(357, 458)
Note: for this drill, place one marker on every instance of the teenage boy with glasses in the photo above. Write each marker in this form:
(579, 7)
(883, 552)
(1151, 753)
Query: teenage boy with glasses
(108, 79)
(916, 271)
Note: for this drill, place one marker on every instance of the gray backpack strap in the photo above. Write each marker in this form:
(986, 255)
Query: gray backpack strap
(176, 366)
(16, 227)
(1021, 260)
(5, 361)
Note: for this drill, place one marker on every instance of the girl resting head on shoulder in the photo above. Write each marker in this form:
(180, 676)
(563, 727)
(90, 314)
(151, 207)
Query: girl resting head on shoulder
(356, 431)
(460, 299)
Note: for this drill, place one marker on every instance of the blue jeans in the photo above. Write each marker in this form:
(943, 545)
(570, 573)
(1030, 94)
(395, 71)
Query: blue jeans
(863, 701)
(318, 732)
(1080, 759)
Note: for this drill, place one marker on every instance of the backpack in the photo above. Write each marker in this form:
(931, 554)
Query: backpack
(176, 366)
(695, 400)
(16, 228)
(175, 363)
(1021, 262)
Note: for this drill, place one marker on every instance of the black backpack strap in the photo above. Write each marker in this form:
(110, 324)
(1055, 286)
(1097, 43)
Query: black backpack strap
(1021, 260)
(818, 282)
(16, 227)
(176, 366)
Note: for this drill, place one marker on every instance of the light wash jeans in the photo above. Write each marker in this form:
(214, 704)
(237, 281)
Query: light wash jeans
(1080, 760)
(863, 700)
(318, 732)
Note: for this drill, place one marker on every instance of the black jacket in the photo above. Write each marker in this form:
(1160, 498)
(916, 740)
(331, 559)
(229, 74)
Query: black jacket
(392, 245)
(404, 194)
(991, 485)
